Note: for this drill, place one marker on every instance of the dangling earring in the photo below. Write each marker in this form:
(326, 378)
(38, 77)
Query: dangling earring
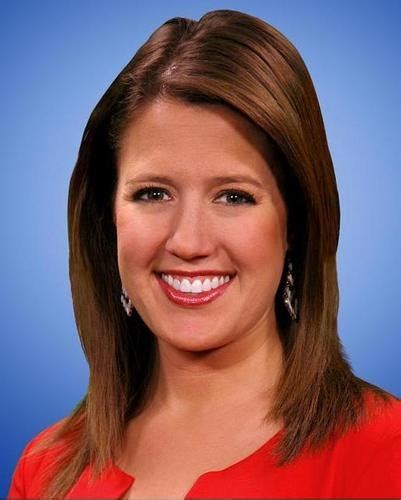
(126, 302)
(290, 301)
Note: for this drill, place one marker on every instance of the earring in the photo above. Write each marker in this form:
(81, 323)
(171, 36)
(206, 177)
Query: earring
(290, 301)
(126, 302)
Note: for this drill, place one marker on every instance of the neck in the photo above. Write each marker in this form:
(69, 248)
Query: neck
(233, 375)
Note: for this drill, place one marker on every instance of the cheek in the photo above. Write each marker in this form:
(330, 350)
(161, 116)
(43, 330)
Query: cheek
(263, 240)
(261, 251)
(137, 240)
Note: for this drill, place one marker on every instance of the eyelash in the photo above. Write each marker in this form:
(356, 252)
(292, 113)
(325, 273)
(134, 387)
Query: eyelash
(250, 199)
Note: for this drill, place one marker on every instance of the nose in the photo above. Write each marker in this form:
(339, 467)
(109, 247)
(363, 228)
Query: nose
(190, 234)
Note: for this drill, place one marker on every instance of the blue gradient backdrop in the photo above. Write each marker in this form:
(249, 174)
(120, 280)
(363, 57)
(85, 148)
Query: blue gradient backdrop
(57, 60)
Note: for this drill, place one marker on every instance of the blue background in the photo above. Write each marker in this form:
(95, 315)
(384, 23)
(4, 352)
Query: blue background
(57, 60)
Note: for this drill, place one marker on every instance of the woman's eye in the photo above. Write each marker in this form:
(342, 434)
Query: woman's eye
(237, 197)
(155, 194)
(151, 194)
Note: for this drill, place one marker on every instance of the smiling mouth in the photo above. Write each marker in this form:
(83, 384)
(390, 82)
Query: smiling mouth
(193, 298)
(196, 284)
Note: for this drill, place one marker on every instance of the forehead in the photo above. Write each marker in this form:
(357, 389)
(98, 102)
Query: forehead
(182, 137)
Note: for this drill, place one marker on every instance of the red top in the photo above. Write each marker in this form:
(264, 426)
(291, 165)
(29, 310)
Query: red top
(364, 463)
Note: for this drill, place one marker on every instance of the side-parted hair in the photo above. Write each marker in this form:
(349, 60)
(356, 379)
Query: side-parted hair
(239, 61)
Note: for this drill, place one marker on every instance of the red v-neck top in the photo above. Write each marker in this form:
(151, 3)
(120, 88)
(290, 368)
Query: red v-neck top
(363, 463)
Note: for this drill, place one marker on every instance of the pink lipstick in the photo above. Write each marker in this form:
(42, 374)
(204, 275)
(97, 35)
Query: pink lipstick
(191, 299)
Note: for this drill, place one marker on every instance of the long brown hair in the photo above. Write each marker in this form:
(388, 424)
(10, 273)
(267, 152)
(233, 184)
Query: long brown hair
(236, 60)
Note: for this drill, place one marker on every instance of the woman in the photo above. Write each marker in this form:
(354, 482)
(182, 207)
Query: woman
(204, 197)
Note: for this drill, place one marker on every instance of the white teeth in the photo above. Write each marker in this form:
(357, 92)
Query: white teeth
(185, 286)
(206, 285)
(196, 286)
(215, 282)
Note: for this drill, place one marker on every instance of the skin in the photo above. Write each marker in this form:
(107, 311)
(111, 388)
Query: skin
(223, 358)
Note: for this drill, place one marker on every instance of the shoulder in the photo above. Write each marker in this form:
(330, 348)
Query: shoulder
(381, 419)
(34, 461)
(370, 453)
(379, 426)
(362, 462)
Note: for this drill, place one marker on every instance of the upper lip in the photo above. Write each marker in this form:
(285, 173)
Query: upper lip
(196, 273)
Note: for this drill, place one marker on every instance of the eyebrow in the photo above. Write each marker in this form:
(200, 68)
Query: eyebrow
(235, 179)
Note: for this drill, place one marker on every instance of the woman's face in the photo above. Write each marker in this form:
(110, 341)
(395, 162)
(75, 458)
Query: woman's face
(196, 200)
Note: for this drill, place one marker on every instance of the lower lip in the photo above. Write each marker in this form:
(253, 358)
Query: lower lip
(192, 299)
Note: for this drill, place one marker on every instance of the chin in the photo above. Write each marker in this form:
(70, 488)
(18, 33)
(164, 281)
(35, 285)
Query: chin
(193, 342)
